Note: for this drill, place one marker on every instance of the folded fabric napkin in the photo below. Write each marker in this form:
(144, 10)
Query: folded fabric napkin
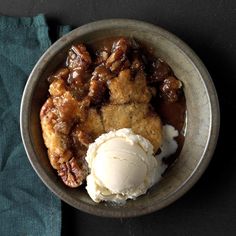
(27, 207)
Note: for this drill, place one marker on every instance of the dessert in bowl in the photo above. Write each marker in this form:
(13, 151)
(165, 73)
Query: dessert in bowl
(120, 87)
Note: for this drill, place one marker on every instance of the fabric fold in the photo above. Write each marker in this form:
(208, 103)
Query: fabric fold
(27, 207)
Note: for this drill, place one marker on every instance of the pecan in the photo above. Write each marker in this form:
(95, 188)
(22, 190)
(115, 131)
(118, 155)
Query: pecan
(97, 90)
(170, 89)
(117, 56)
(121, 44)
(102, 56)
(78, 58)
(160, 70)
(73, 173)
(67, 106)
(79, 87)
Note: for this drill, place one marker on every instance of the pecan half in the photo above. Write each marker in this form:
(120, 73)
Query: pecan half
(102, 56)
(78, 58)
(170, 89)
(73, 173)
(160, 70)
(97, 91)
(117, 57)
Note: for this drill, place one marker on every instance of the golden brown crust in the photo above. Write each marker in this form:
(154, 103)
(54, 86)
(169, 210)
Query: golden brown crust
(122, 116)
(138, 117)
(125, 89)
(150, 128)
(57, 87)
(93, 124)
(55, 141)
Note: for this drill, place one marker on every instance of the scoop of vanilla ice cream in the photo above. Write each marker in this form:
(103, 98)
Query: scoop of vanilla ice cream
(122, 166)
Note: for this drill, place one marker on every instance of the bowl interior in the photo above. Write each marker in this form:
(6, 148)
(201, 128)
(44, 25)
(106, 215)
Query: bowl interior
(201, 130)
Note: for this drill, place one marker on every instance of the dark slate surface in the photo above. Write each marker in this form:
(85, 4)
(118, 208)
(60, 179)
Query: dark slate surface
(209, 27)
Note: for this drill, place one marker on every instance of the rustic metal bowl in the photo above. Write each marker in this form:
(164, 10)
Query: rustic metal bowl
(202, 126)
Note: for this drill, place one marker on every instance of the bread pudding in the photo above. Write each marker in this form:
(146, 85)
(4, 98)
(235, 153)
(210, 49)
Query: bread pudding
(104, 86)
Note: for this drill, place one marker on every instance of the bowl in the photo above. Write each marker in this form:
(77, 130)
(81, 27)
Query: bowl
(202, 123)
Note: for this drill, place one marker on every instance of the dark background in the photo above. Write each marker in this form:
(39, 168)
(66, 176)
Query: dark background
(209, 27)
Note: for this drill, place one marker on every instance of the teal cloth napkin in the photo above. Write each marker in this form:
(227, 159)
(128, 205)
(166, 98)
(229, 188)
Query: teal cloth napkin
(27, 207)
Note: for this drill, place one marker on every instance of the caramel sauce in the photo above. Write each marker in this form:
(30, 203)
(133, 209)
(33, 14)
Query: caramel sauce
(173, 114)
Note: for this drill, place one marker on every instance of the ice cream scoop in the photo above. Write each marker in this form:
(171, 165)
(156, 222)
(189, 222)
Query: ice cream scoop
(122, 166)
